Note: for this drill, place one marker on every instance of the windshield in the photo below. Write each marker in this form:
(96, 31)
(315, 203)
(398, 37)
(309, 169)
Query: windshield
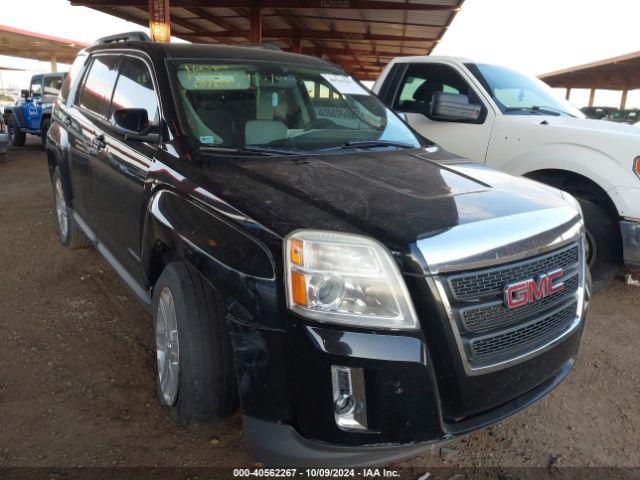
(518, 94)
(283, 108)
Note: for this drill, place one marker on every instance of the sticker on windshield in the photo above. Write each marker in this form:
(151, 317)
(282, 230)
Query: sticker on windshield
(207, 139)
(344, 84)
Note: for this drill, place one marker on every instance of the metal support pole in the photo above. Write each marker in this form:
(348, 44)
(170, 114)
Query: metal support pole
(255, 33)
(568, 94)
(296, 45)
(54, 64)
(592, 96)
(623, 100)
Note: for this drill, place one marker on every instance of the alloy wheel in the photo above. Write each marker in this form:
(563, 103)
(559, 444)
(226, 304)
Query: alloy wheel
(61, 209)
(167, 347)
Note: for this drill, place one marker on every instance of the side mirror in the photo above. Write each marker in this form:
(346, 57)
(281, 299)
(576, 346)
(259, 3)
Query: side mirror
(133, 123)
(131, 119)
(454, 107)
(24, 93)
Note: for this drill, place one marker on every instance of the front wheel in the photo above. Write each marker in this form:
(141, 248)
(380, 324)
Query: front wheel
(603, 250)
(195, 374)
(17, 137)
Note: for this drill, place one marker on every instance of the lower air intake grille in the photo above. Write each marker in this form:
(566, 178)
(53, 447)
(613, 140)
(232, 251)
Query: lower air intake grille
(523, 337)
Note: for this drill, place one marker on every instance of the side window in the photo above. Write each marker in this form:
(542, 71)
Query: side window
(71, 77)
(52, 86)
(134, 89)
(36, 87)
(98, 85)
(422, 81)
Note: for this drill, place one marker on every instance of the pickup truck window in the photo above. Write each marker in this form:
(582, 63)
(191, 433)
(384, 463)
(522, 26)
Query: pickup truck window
(518, 94)
(134, 89)
(422, 81)
(98, 85)
(291, 108)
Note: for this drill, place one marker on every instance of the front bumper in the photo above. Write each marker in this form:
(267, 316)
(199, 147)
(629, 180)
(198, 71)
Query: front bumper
(280, 445)
(4, 141)
(630, 234)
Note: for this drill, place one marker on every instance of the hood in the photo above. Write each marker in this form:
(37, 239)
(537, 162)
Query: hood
(396, 197)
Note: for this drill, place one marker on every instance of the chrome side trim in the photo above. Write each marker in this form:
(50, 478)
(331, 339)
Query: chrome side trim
(501, 240)
(472, 371)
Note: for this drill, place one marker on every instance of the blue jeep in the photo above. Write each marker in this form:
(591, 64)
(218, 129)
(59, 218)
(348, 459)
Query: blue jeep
(32, 113)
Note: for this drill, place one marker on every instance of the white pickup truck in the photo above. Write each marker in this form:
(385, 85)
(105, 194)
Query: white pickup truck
(513, 122)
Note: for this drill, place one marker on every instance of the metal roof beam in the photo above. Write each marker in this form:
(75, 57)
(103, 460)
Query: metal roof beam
(332, 4)
(308, 34)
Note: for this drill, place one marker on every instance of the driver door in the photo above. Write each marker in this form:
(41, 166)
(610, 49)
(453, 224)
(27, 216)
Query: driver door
(34, 104)
(413, 99)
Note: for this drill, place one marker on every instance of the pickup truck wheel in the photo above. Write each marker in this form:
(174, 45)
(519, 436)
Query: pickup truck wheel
(603, 250)
(195, 374)
(43, 133)
(68, 230)
(16, 137)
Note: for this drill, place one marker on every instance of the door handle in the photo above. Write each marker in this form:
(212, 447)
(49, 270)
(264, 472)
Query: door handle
(99, 142)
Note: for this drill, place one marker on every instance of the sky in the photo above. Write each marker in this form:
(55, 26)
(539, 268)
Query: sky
(532, 36)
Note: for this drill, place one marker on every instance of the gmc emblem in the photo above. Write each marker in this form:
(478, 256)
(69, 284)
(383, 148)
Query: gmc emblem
(527, 291)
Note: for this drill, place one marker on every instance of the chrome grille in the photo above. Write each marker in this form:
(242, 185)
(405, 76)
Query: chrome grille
(491, 335)
(495, 314)
(491, 281)
(516, 339)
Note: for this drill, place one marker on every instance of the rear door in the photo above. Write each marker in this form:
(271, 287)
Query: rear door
(412, 98)
(86, 136)
(121, 167)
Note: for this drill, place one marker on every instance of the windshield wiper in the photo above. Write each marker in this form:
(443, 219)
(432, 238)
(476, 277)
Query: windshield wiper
(372, 144)
(539, 109)
(251, 149)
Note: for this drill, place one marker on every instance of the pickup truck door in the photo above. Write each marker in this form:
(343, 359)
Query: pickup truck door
(121, 167)
(411, 96)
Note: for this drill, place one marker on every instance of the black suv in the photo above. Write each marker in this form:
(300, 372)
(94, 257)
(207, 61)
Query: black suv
(359, 292)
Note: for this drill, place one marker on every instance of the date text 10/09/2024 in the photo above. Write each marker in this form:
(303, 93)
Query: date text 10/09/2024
(317, 472)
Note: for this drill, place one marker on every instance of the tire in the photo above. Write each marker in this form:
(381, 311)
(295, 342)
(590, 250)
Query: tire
(16, 137)
(200, 348)
(43, 133)
(71, 236)
(604, 250)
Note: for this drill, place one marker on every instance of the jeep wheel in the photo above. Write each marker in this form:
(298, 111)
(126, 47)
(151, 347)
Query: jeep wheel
(16, 137)
(68, 230)
(43, 133)
(603, 248)
(195, 375)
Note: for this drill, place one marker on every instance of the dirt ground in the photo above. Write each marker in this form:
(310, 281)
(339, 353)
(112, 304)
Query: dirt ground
(77, 378)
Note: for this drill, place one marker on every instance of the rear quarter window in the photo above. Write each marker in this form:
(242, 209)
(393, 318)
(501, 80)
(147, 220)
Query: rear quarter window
(71, 80)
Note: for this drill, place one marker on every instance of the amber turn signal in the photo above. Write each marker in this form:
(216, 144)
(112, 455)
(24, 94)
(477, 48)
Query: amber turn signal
(298, 288)
(296, 251)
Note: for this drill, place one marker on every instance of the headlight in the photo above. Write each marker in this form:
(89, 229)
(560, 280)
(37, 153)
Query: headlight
(347, 279)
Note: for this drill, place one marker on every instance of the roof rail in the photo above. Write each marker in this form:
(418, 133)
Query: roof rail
(123, 37)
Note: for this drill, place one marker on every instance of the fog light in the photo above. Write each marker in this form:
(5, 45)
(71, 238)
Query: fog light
(349, 399)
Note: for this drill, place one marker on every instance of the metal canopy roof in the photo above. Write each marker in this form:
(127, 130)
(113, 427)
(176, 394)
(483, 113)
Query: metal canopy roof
(22, 43)
(617, 73)
(360, 35)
